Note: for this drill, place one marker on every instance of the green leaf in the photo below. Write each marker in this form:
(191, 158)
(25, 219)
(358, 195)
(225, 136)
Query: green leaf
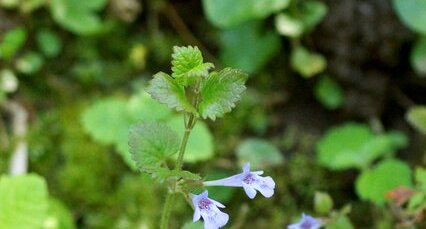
(323, 203)
(416, 200)
(313, 12)
(288, 25)
(164, 174)
(225, 13)
(200, 144)
(329, 93)
(23, 202)
(307, 63)
(374, 184)
(420, 177)
(167, 91)
(355, 146)
(248, 46)
(29, 63)
(187, 64)
(152, 143)
(412, 13)
(78, 16)
(12, 41)
(418, 56)
(141, 107)
(49, 43)
(293, 24)
(220, 91)
(59, 217)
(416, 116)
(260, 153)
(108, 122)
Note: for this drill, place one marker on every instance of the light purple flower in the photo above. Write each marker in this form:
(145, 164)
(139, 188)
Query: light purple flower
(208, 209)
(307, 222)
(250, 181)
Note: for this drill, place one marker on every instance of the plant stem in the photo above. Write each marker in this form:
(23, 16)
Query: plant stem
(170, 198)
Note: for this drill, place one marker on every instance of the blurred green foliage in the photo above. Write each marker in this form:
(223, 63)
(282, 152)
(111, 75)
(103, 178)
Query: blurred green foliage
(80, 68)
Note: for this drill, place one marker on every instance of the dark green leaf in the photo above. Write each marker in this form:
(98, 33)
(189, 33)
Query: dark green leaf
(329, 93)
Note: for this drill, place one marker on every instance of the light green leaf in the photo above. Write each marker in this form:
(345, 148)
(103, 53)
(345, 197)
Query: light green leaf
(288, 26)
(49, 43)
(420, 177)
(220, 91)
(200, 144)
(307, 63)
(29, 63)
(225, 13)
(187, 64)
(323, 203)
(418, 56)
(416, 116)
(374, 184)
(260, 153)
(355, 146)
(23, 202)
(108, 122)
(152, 143)
(141, 107)
(12, 41)
(329, 93)
(167, 91)
(59, 217)
(248, 46)
(78, 16)
(412, 13)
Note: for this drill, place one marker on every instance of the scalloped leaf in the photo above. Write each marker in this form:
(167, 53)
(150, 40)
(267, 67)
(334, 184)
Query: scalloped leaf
(164, 174)
(220, 91)
(187, 64)
(167, 91)
(152, 143)
(23, 202)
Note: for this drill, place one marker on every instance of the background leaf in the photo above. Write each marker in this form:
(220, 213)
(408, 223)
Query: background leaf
(374, 184)
(11, 42)
(225, 13)
(412, 13)
(307, 63)
(329, 93)
(260, 153)
(200, 144)
(355, 146)
(23, 202)
(416, 116)
(248, 46)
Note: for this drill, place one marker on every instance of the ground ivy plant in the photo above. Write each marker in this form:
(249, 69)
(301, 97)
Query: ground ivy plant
(198, 93)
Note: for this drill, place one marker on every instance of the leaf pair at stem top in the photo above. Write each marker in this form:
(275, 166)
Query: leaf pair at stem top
(190, 89)
(218, 90)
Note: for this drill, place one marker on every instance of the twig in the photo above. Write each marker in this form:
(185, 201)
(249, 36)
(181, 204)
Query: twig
(183, 30)
(19, 159)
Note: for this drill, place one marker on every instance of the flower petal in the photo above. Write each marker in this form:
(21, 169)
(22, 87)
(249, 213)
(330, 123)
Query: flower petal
(217, 203)
(246, 167)
(197, 215)
(250, 191)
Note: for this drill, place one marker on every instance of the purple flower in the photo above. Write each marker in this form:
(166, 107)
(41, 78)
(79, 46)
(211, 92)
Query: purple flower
(208, 209)
(250, 181)
(307, 222)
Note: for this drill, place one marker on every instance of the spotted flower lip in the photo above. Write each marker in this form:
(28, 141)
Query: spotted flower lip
(209, 210)
(250, 181)
(307, 222)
